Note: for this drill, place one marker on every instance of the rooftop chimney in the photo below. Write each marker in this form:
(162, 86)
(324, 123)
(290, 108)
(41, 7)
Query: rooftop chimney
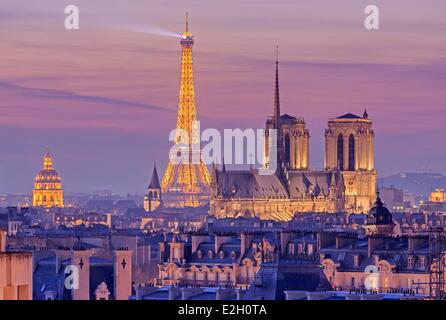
(2, 241)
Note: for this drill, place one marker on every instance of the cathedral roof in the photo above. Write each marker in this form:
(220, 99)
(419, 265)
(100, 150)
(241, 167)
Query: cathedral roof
(349, 116)
(287, 116)
(247, 184)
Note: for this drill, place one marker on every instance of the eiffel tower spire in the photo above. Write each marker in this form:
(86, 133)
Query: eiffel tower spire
(186, 183)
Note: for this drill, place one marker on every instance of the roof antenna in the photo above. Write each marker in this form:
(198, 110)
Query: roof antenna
(187, 21)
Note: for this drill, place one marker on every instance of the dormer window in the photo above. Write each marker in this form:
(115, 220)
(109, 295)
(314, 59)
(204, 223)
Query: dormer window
(291, 249)
(221, 254)
(199, 254)
(422, 261)
(310, 248)
(410, 262)
(356, 260)
(233, 254)
(210, 254)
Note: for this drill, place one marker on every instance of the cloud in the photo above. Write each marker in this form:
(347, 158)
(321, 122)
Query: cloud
(73, 96)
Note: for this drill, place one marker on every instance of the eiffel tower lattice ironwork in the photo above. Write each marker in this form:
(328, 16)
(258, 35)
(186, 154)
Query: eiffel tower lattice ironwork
(186, 184)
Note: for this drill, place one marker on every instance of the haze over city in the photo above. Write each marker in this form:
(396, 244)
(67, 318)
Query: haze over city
(104, 97)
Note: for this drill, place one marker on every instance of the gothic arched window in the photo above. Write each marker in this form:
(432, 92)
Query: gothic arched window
(287, 149)
(341, 152)
(351, 153)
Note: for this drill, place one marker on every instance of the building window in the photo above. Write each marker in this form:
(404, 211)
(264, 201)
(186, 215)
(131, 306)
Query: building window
(340, 152)
(291, 249)
(299, 248)
(287, 149)
(410, 262)
(422, 262)
(351, 153)
(356, 260)
(310, 249)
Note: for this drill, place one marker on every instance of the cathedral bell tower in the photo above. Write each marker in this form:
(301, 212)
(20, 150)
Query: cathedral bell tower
(349, 149)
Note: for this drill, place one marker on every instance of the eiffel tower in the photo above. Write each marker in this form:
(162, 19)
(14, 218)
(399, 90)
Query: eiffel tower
(186, 184)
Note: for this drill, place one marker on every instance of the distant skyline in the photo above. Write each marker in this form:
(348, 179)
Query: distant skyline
(103, 98)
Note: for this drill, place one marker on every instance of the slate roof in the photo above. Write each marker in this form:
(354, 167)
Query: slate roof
(205, 296)
(349, 116)
(274, 278)
(302, 184)
(154, 182)
(394, 251)
(161, 294)
(207, 247)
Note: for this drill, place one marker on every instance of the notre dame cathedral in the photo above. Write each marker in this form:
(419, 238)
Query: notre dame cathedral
(347, 183)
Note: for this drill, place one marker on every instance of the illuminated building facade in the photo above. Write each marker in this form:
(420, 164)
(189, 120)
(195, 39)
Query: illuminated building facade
(48, 190)
(346, 184)
(439, 195)
(186, 184)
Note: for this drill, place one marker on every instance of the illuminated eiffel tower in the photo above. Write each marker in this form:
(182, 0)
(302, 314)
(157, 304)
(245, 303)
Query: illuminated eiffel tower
(186, 184)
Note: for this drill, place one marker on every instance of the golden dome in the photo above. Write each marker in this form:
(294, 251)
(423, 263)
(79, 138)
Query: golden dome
(48, 190)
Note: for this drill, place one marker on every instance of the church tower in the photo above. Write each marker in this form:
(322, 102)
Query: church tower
(349, 149)
(293, 138)
(349, 143)
(186, 183)
(48, 190)
(152, 200)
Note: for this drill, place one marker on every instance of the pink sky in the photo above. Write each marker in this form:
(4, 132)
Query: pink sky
(104, 97)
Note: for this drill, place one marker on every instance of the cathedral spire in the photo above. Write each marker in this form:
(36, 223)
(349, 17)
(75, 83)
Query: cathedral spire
(276, 114)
